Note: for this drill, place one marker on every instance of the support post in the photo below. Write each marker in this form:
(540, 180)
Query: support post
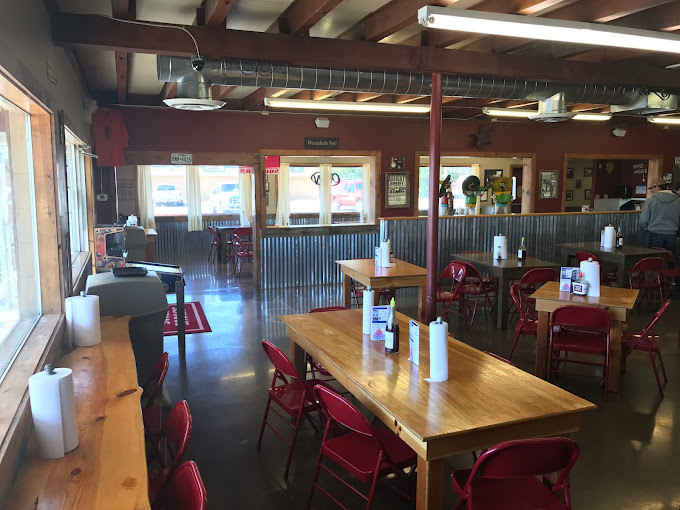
(433, 216)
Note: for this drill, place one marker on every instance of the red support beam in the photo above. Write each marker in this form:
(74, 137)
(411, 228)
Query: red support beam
(433, 216)
(123, 9)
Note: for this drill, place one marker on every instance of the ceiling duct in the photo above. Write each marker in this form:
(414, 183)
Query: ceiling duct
(649, 105)
(253, 73)
(553, 109)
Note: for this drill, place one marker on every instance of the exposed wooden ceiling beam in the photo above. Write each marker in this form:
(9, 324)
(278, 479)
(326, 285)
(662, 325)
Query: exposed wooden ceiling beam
(215, 11)
(75, 30)
(219, 92)
(169, 90)
(302, 15)
(254, 101)
(123, 9)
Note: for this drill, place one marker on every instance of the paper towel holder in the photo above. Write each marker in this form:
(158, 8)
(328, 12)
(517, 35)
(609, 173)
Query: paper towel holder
(49, 369)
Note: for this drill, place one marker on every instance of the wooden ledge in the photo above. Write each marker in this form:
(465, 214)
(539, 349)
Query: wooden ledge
(410, 218)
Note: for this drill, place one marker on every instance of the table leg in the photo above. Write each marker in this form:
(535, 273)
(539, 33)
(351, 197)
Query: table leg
(346, 291)
(622, 275)
(181, 326)
(430, 489)
(422, 292)
(297, 357)
(542, 346)
(615, 356)
(502, 303)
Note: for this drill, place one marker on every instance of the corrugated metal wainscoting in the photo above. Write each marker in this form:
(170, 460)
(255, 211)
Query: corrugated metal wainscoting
(542, 233)
(295, 261)
(176, 245)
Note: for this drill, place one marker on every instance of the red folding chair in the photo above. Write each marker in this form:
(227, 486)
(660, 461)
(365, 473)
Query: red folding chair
(215, 244)
(172, 444)
(151, 413)
(309, 361)
(243, 248)
(648, 341)
(455, 272)
(527, 324)
(532, 280)
(185, 491)
(606, 278)
(646, 277)
(366, 452)
(505, 476)
(580, 329)
(359, 292)
(499, 358)
(294, 398)
(477, 287)
(670, 272)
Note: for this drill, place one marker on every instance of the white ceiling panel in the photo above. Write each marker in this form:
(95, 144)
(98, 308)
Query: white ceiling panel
(142, 77)
(255, 15)
(344, 16)
(182, 12)
(99, 67)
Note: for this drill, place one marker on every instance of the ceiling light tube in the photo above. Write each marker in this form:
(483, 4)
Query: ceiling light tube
(664, 120)
(509, 112)
(512, 25)
(304, 104)
(595, 117)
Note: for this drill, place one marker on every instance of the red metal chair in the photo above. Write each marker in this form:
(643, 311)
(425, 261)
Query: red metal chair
(605, 278)
(295, 398)
(359, 291)
(580, 329)
(670, 272)
(366, 452)
(646, 277)
(648, 341)
(526, 325)
(454, 272)
(151, 413)
(505, 476)
(215, 244)
(172, 444)
(499, 358)
(185, 491)
(533, 279)
(243, 248)
(476, 287)
(309, 361)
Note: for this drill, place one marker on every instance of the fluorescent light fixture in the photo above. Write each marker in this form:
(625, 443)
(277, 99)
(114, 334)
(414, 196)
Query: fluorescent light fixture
(665, 120)
(304, 104)
(596, 117)
(513, 25)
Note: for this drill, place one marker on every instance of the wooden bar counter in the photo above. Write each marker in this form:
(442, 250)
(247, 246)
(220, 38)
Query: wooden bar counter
(108, 468)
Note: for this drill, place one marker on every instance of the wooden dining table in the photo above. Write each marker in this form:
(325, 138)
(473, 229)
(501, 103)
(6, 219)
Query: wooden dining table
(617, 302)
(402, 274)
(624, 258)
(505, 270)
(484, 402)
(107, 470)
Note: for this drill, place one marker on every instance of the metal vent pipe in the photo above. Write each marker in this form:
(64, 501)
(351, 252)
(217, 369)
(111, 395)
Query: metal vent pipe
(254, 73)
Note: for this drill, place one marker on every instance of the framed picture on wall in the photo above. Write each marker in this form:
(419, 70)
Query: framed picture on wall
(490, 175)
(587, 172)
(484, 197)
(668, 177)
(548, 185)
(570, 195)
(578, 183)
(587, 194)
(398, 190)
(570, 173)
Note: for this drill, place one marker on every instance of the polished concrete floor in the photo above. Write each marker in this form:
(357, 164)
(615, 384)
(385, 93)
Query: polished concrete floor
(630, 445)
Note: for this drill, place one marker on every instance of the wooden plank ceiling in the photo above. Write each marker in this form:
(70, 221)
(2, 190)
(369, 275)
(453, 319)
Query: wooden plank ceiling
(387, 38)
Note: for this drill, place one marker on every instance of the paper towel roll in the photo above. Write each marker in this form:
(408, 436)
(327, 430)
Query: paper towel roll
(500, 246)
(609, 237)
(385, 254)
(54, 412)
(591, 273)
(368, 310)
(82, 320)
(439, 351)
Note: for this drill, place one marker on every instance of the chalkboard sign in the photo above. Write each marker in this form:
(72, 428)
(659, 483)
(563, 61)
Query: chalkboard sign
(398, 190)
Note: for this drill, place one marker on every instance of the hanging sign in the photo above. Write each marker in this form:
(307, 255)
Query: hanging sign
(179, 158)
(272, 164)
(398, 189)
(315, 142)
(245, 169)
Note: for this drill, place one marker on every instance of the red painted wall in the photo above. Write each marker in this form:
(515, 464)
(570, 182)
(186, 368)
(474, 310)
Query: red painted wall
(172, 130)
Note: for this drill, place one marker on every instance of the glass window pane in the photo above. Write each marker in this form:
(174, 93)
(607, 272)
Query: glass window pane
(169, 193)
(304, 194)
(19, 276)
(348, 194)
(220, 192)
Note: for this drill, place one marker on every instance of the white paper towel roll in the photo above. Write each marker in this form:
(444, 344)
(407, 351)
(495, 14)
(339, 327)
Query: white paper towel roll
(591, 273)
(368, 310)
(82, 320)
(54, 412)
(609, 237)
(500, 247)
(439, 351)
(385, 254)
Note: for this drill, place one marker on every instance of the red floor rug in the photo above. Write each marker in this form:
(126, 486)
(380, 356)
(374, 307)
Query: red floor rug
(194, 319)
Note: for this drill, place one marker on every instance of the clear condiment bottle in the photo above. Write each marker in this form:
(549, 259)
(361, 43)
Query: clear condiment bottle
(522, 252)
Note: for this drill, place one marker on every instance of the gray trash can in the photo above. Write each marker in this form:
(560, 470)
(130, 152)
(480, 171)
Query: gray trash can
(143, 298)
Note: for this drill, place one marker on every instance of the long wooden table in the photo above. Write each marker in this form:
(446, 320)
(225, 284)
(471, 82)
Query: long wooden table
(505, 270)
(484, 402)
(107, 471)
(625, 257)
(402, 274)
(617, 302)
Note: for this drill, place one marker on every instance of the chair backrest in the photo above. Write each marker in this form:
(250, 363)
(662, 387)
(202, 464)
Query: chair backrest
(580, 317)
(516, 296)
(649, 328)
(327, 309)
(213, 232)
(455, 272)
(243, 231)
(152, 386)
(667, 256)
(185, 491)
(648, 265)
(470, 270)
(582, 256)
(540, 275)
(175, 437)
(279, 360)
(527, 457)
(341, 411)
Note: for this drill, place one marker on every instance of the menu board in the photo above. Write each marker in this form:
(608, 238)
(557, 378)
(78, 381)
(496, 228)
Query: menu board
(398, 190)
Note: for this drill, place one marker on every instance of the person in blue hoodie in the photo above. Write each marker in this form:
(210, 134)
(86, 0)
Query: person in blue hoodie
(660, 216)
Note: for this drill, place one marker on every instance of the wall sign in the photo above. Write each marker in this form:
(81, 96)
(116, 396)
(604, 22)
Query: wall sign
(316, 142)
(272, 164)
(245, 169)
(549, 185)
(398, 189)
(179, 158)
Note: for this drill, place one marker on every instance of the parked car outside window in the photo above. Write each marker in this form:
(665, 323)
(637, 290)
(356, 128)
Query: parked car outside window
(167, 195)
(225, 198)
(349, 196)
